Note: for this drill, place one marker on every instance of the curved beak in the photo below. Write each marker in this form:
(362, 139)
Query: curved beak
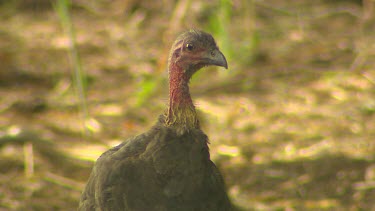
(217, 58)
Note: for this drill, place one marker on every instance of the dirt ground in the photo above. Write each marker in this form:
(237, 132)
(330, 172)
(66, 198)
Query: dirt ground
(291, 123)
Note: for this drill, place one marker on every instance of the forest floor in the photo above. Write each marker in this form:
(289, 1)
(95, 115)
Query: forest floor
(291, 123)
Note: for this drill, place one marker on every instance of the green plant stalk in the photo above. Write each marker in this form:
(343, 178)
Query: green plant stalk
(62, 8)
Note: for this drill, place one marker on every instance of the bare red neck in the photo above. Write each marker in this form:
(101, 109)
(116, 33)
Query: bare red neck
(178, 88)
(181, 112)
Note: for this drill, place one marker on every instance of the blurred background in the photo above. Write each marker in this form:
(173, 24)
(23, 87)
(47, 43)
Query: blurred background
(291, 123)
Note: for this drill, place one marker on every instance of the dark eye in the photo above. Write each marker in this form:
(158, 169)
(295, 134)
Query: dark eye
(189, 46)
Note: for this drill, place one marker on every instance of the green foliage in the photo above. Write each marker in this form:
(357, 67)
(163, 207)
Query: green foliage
(146, 89)
(79, 78)
(218, 25)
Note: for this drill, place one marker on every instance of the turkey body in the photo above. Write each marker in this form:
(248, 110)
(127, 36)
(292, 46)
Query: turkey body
(167, 168)
(158, 170)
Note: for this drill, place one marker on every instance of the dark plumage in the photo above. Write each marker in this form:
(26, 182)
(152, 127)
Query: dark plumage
(168, 167)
